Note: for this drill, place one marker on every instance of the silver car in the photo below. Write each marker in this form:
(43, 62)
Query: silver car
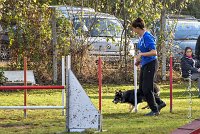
(102, 32)
(186, 32)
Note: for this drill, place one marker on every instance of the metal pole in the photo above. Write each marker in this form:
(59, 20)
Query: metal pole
(63, 82)
(25, 84)
(100, 83)
(190, 97)
(135, 84)
(171, 83)
(30, 87)
(68, 62)
(32, 107)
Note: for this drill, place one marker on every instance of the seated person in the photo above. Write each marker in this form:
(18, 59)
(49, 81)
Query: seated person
(189, 63)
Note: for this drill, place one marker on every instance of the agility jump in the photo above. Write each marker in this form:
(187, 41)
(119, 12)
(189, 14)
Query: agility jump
(81, 114)
(25, 88)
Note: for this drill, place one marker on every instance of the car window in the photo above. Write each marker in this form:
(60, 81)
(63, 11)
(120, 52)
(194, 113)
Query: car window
(185, 30)
(100, 27)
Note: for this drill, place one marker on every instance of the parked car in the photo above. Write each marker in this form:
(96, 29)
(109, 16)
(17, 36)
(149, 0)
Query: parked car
(103, 32)
(185, 35)
(185, 31)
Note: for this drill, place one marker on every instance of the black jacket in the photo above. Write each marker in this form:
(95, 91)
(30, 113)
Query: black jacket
(189, 64)
(197, 48)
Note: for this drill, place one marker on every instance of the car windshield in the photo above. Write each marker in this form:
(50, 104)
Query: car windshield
(99, 27)
(185, 30)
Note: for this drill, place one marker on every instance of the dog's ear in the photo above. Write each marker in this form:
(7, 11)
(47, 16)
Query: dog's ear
(120, 92)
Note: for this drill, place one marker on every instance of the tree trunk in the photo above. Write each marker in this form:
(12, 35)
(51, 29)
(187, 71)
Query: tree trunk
(125, 42)
(54, 43)
(163, 46)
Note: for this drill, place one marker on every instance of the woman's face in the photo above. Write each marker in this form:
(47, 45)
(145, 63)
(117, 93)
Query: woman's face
(189, 52)
(135, 30)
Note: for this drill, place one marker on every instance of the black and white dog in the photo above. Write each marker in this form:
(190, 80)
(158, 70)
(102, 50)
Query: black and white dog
(129, 97)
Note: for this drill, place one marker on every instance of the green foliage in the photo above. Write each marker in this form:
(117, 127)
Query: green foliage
(193, 8)
(3, 79)
(30, 32)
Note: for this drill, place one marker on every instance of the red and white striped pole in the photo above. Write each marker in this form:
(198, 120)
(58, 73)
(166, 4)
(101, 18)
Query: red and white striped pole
(171, 83)
(100, 92)
(25, 84)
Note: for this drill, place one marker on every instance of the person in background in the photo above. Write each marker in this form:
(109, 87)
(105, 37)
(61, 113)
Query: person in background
(197, 48)
(147, 58)
(190, 65)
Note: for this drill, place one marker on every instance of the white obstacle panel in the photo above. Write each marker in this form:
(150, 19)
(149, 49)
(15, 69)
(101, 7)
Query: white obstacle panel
(19, 76)
(82, 113)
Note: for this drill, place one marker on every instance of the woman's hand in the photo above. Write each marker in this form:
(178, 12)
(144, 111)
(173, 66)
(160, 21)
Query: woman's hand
(138, 57)
(198, 70)
(137, 63)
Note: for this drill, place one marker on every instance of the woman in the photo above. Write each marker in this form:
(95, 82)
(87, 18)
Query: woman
(148, 61)
(190, 65)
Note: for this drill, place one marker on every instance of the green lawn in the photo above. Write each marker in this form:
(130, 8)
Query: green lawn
(116, 118)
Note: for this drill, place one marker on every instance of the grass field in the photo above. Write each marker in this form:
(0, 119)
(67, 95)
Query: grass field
(116, 118)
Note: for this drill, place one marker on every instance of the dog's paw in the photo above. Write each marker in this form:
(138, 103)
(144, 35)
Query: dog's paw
(132, 108)
(132, 111)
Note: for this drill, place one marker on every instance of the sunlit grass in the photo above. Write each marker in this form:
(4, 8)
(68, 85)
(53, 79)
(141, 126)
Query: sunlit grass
(116, 118)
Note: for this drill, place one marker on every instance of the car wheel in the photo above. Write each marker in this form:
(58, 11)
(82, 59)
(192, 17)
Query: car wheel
(4, 53)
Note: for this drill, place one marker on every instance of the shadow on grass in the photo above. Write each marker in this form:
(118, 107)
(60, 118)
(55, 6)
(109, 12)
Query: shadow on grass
(176, 95)
(179, 94)
(118, 115)
(16, 125)
(103, 97)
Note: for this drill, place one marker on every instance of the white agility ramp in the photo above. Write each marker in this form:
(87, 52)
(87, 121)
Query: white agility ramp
(81, 111)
